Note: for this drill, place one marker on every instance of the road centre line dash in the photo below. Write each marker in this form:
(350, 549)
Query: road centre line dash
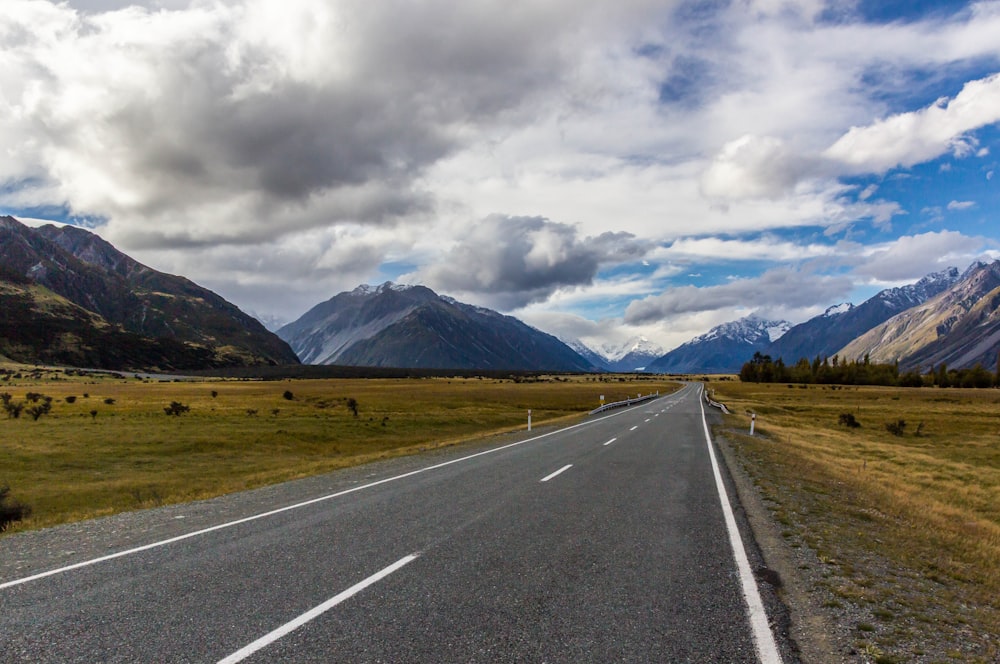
(314, 613)
(313, 501)
(634, 428)
(610, 441)
(558, 472)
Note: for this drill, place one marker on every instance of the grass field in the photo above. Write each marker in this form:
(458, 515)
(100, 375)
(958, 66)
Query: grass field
(905, 525)
(107, 445)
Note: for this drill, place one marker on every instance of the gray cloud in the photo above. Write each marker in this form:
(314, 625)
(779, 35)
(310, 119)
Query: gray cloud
(297, 106)
(781, 288)
(512, 261)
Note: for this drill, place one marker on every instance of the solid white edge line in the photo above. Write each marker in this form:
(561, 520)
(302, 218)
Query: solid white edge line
(312, 614)
(230, 524)
(610, 441)
(767, 649)
(558, 472)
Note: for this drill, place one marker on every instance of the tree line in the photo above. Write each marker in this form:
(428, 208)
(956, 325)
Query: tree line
(836, 371)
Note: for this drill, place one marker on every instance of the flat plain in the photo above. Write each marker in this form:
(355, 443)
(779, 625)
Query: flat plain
(896, 520)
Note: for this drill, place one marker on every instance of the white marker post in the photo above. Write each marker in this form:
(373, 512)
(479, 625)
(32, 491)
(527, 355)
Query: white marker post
(753, 421)
(529, 420)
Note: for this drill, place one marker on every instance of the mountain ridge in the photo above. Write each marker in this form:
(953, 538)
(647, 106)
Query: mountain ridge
(393, 325)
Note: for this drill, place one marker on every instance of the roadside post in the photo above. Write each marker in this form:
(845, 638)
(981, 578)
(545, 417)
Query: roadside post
(753, 421)
(529, 419)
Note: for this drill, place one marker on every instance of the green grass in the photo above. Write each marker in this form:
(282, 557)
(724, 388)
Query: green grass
(72, 464)
(910, 521)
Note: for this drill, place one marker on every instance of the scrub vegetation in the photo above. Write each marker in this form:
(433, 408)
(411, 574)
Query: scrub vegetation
(895, 495)
(110, 443)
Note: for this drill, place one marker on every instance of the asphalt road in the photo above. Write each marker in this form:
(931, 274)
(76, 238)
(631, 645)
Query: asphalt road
(604, 542)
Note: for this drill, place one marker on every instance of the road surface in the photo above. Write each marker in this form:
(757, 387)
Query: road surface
(604, 542)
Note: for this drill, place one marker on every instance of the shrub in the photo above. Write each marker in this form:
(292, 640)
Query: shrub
(70, 399)
(11, 510)
(39, 409)
(109, 401)
(848, 420)
(288, 395)
(176, 408)
(352, 405)
(896, 428)
(13, 409)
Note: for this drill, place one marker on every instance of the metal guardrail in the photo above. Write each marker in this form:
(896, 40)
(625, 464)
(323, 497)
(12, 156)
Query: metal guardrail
(626, 402)
(715, 404)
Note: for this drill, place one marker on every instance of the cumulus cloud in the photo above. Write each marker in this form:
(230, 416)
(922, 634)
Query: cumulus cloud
(778, 288)
(512, 261)
(910, 138)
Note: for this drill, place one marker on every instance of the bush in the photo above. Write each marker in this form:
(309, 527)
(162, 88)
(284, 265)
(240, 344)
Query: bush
(70, 399)
(352, 405)
(13, 409)
(848, 420)
(288, 395)
(176, 408)
(11, 510)
(896, 428)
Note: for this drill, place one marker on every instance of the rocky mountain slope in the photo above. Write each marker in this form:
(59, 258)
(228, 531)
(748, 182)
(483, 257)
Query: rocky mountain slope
(72, 298)
(959, 327)
(414, 327)
(826, 334)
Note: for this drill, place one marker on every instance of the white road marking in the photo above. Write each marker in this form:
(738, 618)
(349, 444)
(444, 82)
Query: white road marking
(767, 649)
(312, 614)
(647, 419)
(558, 472)
(634, 428)
(610, 441)
(262, 515)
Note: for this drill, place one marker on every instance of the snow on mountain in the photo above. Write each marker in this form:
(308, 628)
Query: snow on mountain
(838, 309)
(723, 349)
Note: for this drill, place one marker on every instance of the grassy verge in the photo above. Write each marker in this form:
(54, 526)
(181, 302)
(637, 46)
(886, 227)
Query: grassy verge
(901, 515)
(107, 445)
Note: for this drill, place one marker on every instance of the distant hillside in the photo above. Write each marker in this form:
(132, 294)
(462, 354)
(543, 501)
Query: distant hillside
(72, 298)
(414, 327)
(825, 335)
(959, 327)
(723, 349)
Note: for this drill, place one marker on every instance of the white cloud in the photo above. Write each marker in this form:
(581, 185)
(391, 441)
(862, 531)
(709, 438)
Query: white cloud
(961, 205)
(910, 138)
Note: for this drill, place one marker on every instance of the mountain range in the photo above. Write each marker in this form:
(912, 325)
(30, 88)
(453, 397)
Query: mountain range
(69, 297)
(947, 317)
(632, 356)
(414, 327)
(722, 348)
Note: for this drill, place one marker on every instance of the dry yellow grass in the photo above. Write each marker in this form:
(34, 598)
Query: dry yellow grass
(908, 525)
(108, 446)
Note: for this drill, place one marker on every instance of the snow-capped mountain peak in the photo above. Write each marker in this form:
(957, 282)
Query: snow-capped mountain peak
(838, 309)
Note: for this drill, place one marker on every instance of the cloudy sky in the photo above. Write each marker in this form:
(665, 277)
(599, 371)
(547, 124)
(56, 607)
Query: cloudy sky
(600, 169)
